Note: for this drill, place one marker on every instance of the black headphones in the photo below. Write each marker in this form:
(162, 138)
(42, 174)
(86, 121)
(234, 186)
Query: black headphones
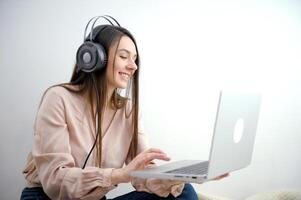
(92, 56)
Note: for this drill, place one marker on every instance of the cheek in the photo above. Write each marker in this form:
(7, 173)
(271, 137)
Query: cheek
(115, 72)
(117, 68)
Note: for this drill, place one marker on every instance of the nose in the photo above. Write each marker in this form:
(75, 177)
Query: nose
(132, 65)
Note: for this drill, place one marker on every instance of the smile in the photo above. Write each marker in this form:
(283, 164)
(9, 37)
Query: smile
(124, 75)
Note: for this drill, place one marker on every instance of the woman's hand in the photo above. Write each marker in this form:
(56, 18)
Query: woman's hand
(141, 161)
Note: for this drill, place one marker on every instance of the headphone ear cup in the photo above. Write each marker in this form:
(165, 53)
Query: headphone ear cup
(91, 57)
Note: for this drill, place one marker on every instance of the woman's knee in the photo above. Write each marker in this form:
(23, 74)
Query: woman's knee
(188, 193)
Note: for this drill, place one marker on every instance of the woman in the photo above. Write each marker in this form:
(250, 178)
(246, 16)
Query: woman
(85, 130)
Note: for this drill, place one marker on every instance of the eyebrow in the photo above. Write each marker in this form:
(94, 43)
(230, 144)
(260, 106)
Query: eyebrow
(126, 51)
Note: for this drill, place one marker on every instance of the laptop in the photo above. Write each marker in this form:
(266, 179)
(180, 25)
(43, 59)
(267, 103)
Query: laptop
(231, 147)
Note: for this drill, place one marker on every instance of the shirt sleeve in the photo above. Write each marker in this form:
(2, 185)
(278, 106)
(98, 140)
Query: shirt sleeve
(159, 187)
(59, 176)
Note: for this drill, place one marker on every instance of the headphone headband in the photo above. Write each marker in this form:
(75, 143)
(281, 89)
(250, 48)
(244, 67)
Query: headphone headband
(95, 20)
(116, 22)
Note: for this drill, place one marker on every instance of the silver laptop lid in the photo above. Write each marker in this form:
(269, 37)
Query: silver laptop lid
(234, 132)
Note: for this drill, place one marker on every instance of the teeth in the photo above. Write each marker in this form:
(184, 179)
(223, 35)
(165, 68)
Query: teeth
(124, 75)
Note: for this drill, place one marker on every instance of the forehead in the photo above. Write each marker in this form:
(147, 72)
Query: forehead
(128, 44)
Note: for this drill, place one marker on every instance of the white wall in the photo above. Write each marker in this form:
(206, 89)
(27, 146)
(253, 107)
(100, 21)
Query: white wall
(189, 50)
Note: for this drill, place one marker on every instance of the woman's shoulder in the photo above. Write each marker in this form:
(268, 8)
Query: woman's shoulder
(61, 90)
(65, 93)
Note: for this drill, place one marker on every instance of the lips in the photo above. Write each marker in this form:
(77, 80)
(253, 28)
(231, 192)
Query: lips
(124, 75)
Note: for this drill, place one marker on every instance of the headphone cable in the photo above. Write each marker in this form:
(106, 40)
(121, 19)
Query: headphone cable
(96, 124)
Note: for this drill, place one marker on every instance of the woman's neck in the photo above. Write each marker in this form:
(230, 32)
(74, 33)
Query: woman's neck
(110, 92)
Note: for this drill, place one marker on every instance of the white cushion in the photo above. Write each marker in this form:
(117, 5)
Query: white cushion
(281, 194)
(203, 196)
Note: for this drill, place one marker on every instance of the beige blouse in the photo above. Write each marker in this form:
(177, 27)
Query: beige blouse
(63, 136)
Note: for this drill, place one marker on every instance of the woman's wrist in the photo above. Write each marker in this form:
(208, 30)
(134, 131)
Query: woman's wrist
(119, 176)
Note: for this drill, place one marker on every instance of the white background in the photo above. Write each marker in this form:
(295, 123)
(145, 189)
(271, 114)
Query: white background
(189, 50)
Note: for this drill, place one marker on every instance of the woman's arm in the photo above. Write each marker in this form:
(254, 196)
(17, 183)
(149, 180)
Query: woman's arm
(57, 171)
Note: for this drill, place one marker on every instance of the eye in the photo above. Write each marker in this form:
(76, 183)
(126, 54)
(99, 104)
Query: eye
(123, 57)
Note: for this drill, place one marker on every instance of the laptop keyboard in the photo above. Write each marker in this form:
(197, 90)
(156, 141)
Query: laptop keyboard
(199, 168)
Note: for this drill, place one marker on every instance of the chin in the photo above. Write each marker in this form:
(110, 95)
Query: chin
(122, 86)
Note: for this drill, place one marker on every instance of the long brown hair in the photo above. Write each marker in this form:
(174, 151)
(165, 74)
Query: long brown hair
(94, 85)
